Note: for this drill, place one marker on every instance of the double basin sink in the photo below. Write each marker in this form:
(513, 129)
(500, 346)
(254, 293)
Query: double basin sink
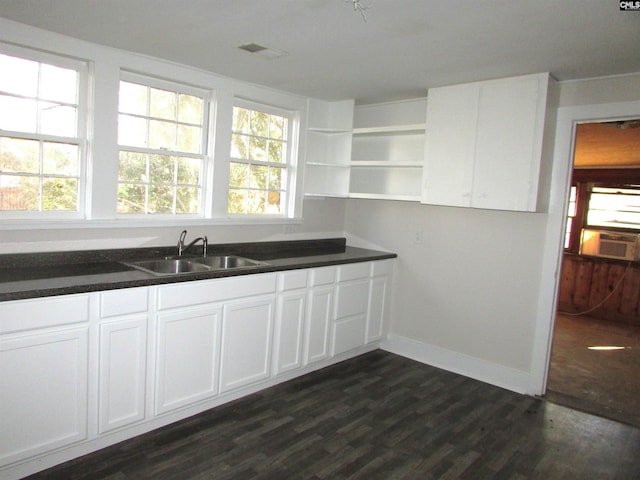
(180, 265)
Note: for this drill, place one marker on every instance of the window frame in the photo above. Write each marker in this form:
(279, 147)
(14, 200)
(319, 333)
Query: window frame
(206, 146)
(290, 163)
(82, 138)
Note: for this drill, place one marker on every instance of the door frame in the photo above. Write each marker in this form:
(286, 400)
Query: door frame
(567, 120)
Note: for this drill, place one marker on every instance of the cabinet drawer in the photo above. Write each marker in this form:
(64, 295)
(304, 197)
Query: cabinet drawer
(352, 299)
(353, 271)
(122, 302)
(43, 312)
(381, 267)
(211, 291)
(323, 276)
(292, 280)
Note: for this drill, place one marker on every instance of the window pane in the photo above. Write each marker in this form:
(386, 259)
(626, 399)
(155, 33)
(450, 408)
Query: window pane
(19, 155)
(58, 84)
(189, 171)
(162, 135)
(189, 109)
(187, 199)
(133, 167)
(189, 139)
(238, 174)
(256, 202)
(277, 126)
(614, 207)
(20, 76)
(19, 193)
(239, 146)
(257, 149)
(161, 169)
(133, 98)
(60, 158)
(59, 194)
(275, 178)
(259, 123)
(237, 201)
(18, 114)
(275, 152)
(160, 199)
(258, 178)
(240, 120)
(131, 198)
(162, 104)
(274, 204)
(57, 119)
(132, 131)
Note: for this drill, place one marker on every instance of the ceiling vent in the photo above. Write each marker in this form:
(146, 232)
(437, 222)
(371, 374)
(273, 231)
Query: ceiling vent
(262, 50)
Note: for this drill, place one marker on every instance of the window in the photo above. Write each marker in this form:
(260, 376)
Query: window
(42, 105)
(162, 144)
(614, 207)
(260, 166)
(603, 198)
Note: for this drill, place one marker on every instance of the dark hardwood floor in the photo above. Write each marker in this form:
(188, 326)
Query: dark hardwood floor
(378, 416)
(601, 382)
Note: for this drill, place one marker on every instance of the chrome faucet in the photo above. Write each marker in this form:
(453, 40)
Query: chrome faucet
(182, 248)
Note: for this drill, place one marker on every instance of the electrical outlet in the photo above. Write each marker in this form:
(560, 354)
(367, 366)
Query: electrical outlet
(288, 229)
(417, 237)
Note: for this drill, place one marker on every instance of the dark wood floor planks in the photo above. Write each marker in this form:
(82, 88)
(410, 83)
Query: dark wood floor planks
(378, 416)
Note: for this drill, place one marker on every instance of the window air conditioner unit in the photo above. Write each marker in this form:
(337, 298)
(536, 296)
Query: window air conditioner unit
(601, 243)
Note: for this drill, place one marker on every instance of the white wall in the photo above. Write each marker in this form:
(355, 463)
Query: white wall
(476, 296)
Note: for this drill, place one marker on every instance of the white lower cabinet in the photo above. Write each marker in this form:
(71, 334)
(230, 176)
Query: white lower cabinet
(187, 357)
(290, 316)
(121, 387)
(122, 358)
(319, 314)
(247, 327)
(131, 356)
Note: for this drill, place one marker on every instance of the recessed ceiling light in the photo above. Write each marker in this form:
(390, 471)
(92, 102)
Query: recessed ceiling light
(262, 50)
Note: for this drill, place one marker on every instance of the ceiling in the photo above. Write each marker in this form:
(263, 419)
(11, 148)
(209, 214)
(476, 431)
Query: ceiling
(403, 47)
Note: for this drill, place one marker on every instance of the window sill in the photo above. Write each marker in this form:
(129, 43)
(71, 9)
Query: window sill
(141, 223)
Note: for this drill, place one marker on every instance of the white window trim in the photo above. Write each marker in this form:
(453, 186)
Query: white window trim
(82, 133)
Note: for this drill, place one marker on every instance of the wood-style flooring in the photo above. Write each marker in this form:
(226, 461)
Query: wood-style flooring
(378, 416)
(603, 382)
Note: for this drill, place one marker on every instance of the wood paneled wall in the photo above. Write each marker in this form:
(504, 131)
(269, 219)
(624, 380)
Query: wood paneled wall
(586, 282)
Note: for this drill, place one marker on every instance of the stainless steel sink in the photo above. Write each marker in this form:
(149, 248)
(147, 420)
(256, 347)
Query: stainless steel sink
(168, 266)
(178, 265)
(218, 262)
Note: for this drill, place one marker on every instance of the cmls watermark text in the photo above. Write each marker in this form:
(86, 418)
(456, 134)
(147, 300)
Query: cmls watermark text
(630, 5)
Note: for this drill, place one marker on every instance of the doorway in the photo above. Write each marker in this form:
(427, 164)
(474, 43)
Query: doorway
(595, 352)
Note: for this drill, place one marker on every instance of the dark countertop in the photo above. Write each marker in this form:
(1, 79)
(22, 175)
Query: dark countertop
(33, 275)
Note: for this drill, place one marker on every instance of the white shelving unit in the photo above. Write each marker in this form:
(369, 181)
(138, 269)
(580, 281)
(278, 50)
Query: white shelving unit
(387, 150)
(328, 148)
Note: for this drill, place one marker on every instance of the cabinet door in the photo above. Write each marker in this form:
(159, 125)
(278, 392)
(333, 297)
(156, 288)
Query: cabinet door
(43, 392)
(122, 372)
(318, 324)
(349, 331)
(246, 342)
(287, 343)
(187, 357)
(508, 144)
(450, 146)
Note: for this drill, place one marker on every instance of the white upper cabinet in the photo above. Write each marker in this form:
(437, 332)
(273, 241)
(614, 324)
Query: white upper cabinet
(489, 144)
(328, 148)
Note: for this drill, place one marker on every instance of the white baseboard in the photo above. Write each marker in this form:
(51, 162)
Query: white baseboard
(478, 369)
